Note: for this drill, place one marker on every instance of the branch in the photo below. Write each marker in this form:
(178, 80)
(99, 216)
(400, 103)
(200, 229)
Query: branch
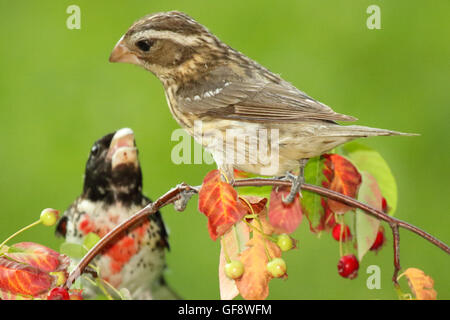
(350, 202)
(396, 236)
(184, 191)
(140, 216)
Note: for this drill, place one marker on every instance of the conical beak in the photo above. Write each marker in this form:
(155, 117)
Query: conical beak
(121, 53)
(122, 149)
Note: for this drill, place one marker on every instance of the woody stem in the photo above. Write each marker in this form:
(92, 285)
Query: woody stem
(176, 193)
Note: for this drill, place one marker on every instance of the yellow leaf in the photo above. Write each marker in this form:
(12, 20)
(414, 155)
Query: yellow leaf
(421, 285)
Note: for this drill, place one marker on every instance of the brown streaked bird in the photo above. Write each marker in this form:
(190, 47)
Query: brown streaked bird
(242, 106)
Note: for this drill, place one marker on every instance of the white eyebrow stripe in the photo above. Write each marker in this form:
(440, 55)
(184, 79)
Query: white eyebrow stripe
(179, 38)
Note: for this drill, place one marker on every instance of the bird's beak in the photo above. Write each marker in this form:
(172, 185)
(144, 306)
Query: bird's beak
(121, 53)
(122, 150)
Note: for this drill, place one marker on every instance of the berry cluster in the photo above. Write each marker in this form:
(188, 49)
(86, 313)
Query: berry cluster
(276, 267)
(348, 264)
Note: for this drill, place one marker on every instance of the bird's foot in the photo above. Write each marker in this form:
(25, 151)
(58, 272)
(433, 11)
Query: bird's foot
(297, 182)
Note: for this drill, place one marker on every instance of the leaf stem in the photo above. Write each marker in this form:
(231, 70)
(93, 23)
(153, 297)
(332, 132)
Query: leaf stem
(113, 288)
(269, 257)
(265, 235)
(98, 284)
(225, 252)
(20, 231)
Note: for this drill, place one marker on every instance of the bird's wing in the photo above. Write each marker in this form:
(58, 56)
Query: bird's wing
(258, 101)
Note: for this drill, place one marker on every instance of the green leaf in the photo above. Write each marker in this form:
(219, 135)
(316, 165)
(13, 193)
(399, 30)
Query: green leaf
(263, 192)
(367, 226)
(90, 240)
(311, 201)
(369, 160)
(73, 250)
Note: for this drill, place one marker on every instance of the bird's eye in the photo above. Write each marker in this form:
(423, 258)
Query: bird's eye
(144, 45)
(94, 150)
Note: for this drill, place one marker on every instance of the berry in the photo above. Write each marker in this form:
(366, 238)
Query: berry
(346, 234)
(49, 217)
(379, 240)
(285, 242)
(58, 293)
(276, 267)
(348, 266)
(384, 205)
(234, 269)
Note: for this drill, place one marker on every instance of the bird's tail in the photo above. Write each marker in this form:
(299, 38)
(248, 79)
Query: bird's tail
(361, 131)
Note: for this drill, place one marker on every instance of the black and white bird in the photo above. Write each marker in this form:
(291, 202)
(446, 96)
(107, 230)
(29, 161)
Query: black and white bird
(112, 192)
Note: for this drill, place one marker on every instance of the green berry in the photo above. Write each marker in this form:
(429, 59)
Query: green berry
(276, 267)
(234, 269)
(285, 242)
(49, 217)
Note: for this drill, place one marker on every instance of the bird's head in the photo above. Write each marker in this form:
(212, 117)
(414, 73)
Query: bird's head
(169, 44)
(112, 170)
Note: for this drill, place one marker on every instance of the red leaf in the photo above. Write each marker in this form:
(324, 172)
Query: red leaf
(18, 278)
(38, 256)
(328, 220)
(254, 283)
(219, 202)
(258, 204)
(345, 179)
(238, 174)
(284, 217)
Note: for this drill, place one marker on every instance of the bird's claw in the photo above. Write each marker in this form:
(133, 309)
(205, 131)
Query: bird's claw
(297, 182)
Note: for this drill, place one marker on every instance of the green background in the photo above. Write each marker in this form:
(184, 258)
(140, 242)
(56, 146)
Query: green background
(59, 93)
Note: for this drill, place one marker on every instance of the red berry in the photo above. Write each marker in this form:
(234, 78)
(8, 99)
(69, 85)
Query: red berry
(58, 293)
(348, 266)
(346, 234)
(384, 205)
(379, 240)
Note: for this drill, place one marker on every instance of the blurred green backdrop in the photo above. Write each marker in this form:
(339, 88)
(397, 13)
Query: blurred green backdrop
(58, 94)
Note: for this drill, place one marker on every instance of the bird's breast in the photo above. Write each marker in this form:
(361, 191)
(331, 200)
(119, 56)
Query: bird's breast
(184, 119)
(136, 259)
